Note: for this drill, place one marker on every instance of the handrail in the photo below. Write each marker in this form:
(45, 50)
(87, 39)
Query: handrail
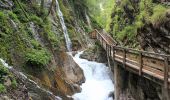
(144, 52)
(153, 64)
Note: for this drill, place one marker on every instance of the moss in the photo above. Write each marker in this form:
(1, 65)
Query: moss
(36, 44)
(37, 58)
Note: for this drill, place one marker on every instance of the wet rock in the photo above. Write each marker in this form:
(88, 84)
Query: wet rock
(72, 71)
(76, 45)
(77, 88)
(6, 4)
(111, 94)
(95, 54)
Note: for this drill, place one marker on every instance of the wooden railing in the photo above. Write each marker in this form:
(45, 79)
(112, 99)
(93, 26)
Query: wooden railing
(141, 62)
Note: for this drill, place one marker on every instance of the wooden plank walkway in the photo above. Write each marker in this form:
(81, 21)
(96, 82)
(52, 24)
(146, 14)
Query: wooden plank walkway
(150, 65)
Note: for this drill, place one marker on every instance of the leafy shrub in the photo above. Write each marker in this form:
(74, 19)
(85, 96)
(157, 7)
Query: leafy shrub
(38, 58)
(2, 88)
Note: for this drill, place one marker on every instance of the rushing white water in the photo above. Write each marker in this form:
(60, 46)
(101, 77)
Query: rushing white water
(88, 20)
(67, 39)
(98, 84)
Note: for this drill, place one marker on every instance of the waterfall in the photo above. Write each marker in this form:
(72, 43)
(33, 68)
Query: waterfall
(88, 20)
(98, 84)
(67, 39)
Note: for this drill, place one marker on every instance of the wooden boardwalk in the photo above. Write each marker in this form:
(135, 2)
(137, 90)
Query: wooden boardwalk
(153, 66)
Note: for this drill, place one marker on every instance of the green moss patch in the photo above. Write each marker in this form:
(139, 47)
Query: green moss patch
(37, 58)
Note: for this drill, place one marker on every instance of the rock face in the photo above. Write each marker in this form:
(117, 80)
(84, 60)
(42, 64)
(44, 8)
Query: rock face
(155, 38)
(96, 53)
(72, 71)
(142, 24)
(26, 26)
(21, 93)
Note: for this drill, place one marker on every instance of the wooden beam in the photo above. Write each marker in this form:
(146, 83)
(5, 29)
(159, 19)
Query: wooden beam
(140, 63)
(124, 58)
(166, 69)
(110, 50)
(153, 64)
(113, 54)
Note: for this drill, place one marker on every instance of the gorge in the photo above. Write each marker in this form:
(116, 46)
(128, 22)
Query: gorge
(84, 50)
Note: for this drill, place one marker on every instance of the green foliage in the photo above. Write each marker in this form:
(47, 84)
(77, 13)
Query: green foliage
(128, 32)
(2, 88)
(4, 24)
(38, 58)
(159, 15)
(36, 20)
(50, 35)
(13, 16)
(14, 83)
(20, 15)
(36, 44)
(101, 11)
(125, 24)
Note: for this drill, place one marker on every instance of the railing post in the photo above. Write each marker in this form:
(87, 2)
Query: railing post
(106, 49)
(140, 63)
(110, 50)
(96, 34)
(113, 53)
(124, 57)
(166, 70)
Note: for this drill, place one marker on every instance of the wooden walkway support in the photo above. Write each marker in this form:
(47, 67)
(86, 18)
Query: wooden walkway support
(153, 66)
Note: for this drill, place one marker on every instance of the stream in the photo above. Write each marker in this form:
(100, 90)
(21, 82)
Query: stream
(98, 84)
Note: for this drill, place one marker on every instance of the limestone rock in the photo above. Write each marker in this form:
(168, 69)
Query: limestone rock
(73, 73)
